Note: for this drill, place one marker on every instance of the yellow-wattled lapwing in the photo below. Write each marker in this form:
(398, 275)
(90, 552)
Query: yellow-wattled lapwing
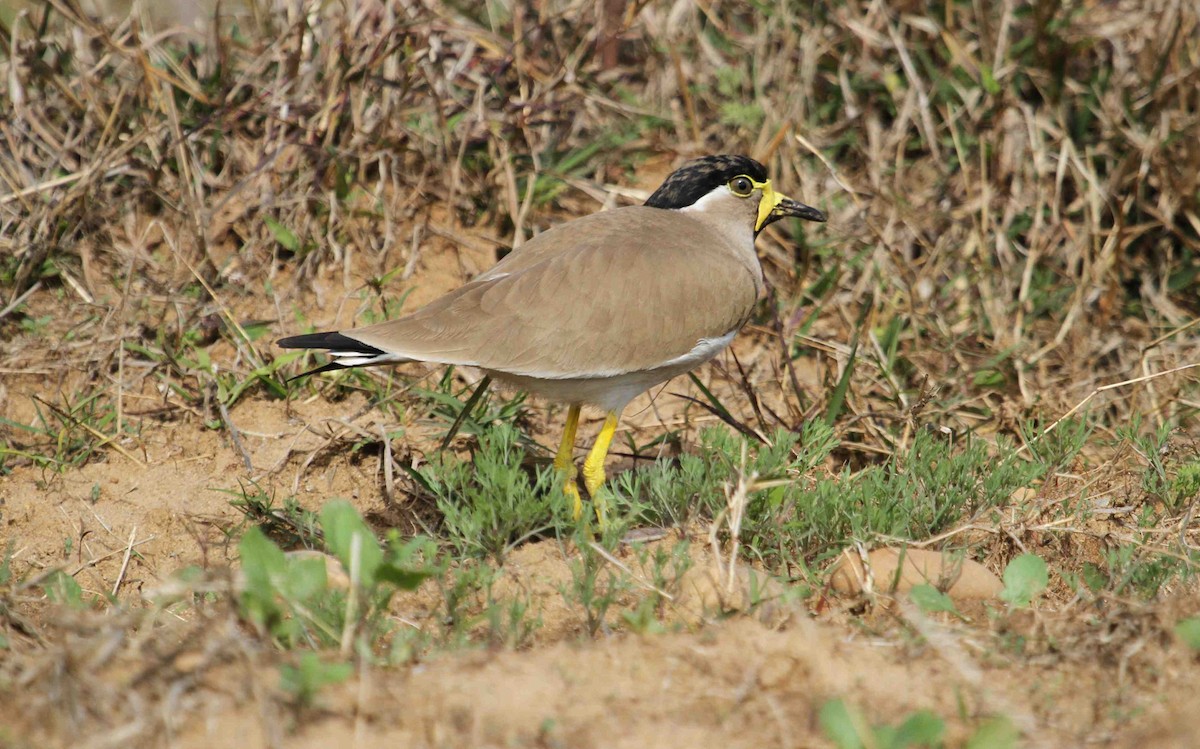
(602, 308)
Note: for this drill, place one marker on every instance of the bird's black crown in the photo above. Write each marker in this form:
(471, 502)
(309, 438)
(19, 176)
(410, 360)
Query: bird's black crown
(697, 178)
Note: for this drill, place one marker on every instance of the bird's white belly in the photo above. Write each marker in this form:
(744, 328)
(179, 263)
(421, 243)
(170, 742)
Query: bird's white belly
(613, 392)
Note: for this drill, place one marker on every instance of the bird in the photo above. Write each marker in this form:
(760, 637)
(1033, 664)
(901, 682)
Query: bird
(601, 308)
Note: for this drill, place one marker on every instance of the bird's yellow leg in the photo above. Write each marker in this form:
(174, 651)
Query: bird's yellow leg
(564, 461)
(593, 466)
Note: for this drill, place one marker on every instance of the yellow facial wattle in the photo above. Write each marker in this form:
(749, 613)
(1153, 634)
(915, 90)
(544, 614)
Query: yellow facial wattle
(769, 201)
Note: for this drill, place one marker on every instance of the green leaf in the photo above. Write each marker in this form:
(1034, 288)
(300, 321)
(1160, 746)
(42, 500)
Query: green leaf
(838, 397)
(989, 378)
(1024, 579)
(63, 589)
(995, 733)
(282, 234)
(262, 561)
(988, 79)
(263, 564)
(1188, 631)
(347, 537)
(306, 679)
(203, 360)
(402, 578)
(930, 600)
(306, 578)
(842, 724)
(922, 728)
(1094, 577)
(257, 329)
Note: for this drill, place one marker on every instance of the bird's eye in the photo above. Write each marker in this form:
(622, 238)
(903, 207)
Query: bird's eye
(741, 186)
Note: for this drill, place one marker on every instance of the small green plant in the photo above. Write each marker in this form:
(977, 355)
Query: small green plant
(492, 504)
(282, 593)
(662, 567)
(1141, 568)
(511, 622)
(473, 413)
(311, 674)
(64, 434)
(698, 484)
(1057, 448)
(596, 584)
(289, 598)
(847, 727)
(461, 589)
(290, 525)
(1188, 632)
(287, 238)
(1025, 578)
(1170, 477)
(231, 385)
(931, 600)
(62, 589)
(474, 612)
(997, 732)
(1186, 485)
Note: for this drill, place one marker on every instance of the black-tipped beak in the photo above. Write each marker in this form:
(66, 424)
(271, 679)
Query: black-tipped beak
(791, 208)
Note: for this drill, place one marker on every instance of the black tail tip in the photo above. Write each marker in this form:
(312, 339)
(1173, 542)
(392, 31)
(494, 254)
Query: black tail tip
(330, 341)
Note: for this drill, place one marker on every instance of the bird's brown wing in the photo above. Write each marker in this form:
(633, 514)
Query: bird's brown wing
(591, 298)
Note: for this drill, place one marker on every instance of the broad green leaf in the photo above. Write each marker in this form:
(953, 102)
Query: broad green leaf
(929, 599)
(311, 674)
(842, 724)
(922, 728)
(262, 561)
(264, 567)
(63, 589)
(402, 578)
(347, 536)
(306, 577)
(1024, 579)
(1188, 630)
(988, 79)
(995, 733)
(1094, 577)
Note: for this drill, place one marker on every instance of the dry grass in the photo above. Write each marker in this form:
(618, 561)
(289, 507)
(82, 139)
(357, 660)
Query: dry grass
(1015, 192)
(1014, 203)
(1062, 181)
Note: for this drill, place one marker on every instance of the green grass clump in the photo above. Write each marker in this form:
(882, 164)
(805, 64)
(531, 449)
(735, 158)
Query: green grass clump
(63, 435)
(795, 516)
(491, 504)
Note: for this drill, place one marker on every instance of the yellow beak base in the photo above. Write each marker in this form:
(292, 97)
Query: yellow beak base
(769, 201)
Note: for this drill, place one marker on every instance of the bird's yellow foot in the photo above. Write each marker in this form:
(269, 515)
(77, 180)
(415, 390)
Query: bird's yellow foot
(564, 462)
(571, 489)
(593, 468)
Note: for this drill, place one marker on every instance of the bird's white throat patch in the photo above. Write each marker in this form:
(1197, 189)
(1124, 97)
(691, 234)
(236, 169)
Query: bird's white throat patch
(718, 199)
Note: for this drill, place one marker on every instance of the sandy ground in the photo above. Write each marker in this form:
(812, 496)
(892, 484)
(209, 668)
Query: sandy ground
(750, 679)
